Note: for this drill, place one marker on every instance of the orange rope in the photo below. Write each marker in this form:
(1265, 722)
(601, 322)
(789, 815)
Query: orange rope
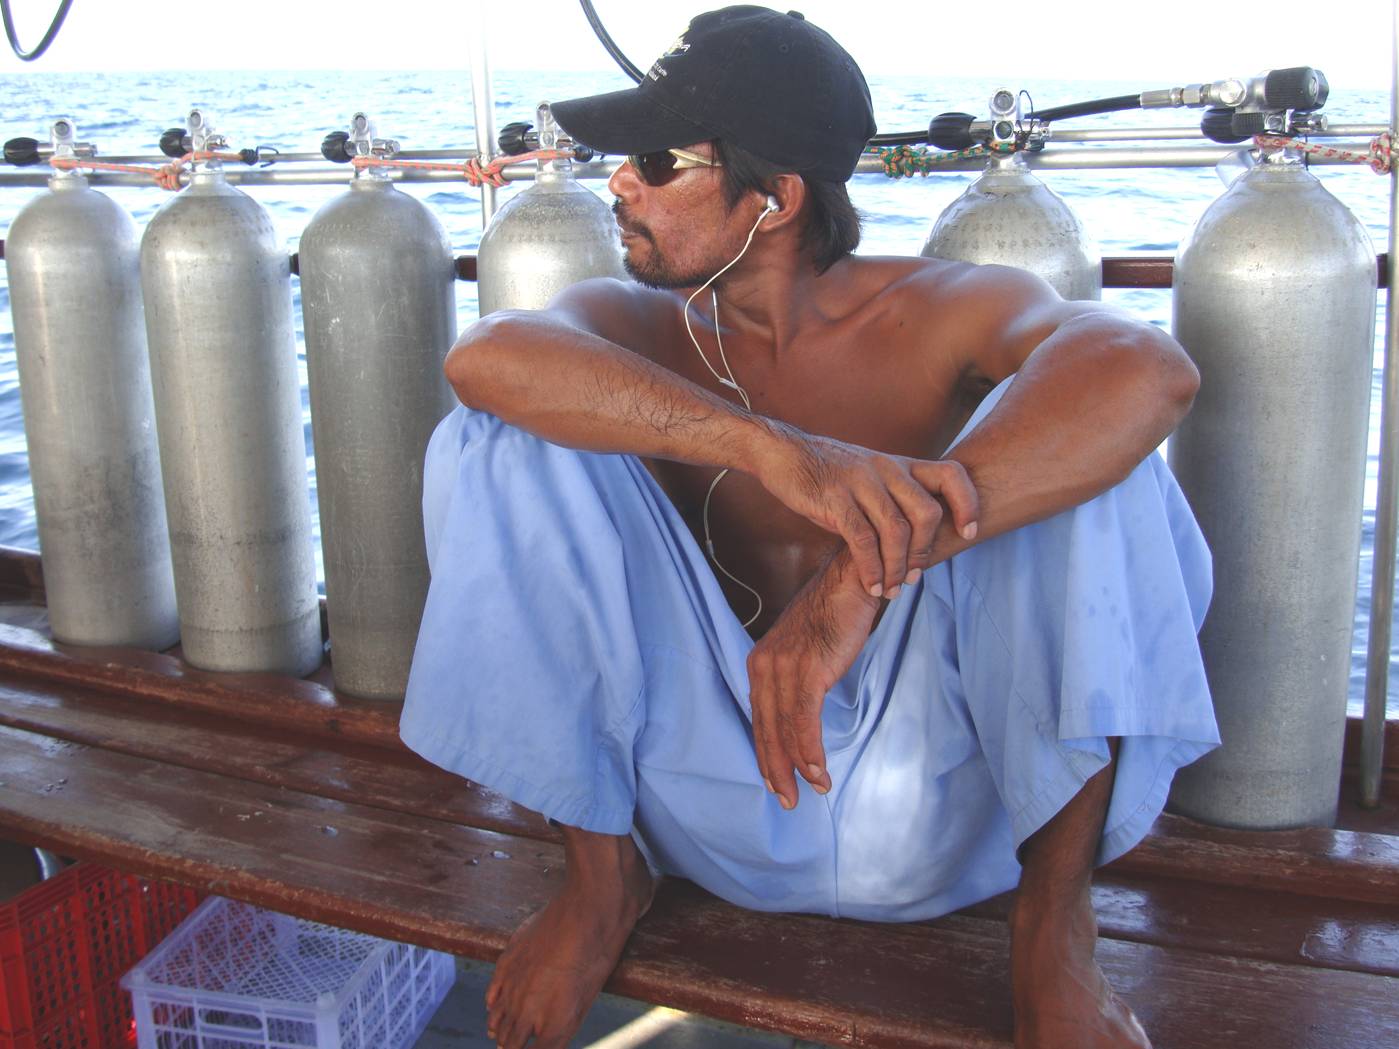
(71, 163)
(1379, 156)
(473, 170)
(476, 173)
(167, 177)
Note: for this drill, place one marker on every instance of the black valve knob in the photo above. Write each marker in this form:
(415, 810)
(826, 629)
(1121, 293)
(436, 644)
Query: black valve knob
(248, 156)
(512, 140)
(21, 152)
(1246, 125)
(1300, 87)
(174, 143)
(582, 153)
(1221, 124)
(951, 131)
(336, 147)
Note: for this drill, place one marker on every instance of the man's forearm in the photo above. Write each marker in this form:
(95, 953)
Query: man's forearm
(582, 391)
(1087, 406)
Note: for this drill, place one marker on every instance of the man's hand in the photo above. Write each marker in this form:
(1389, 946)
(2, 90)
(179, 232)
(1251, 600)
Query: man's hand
(881, 505)
(812, 644)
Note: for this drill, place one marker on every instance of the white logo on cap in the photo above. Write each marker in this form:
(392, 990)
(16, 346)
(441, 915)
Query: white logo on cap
(678, 48)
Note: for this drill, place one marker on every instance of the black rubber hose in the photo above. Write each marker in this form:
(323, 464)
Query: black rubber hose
(54, 27)
(900, 138)
(603, 36)
(1088, 109)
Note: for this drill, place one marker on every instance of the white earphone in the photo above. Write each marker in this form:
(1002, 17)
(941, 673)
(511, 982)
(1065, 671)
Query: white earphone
(727, 379)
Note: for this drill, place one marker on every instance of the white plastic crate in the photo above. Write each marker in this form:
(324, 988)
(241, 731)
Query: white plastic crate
(234, 976)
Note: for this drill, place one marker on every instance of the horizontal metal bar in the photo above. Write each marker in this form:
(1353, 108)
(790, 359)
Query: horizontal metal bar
(1077, 159)
(1074, 158)
(1144, 134)
(1119, 271)
(1098, 159)
(1054, 134)
(461, 153)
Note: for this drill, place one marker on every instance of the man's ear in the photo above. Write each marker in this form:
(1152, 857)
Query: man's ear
(788, 194)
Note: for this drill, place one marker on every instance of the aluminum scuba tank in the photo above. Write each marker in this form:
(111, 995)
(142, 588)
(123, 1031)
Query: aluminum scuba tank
(1275, 302)
(1010, 217)
(1007, 216)
(551, 235)
(378, 296)
(217, 286)
(85, 385)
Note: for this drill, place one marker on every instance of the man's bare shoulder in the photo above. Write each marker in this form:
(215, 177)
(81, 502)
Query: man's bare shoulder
(939, 284)
(978, 321)
(621, 311)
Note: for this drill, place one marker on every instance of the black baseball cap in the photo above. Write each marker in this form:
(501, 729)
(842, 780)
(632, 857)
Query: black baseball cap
(771, 83)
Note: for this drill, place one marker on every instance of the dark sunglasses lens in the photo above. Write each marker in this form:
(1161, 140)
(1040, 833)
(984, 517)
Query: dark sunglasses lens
(655, 169)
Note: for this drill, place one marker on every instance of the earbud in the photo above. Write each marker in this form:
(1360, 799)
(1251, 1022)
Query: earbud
(772, 204)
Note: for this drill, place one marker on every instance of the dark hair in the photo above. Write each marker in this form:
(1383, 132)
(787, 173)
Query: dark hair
(832, 226)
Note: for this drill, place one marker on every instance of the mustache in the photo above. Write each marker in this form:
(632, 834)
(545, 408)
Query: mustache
(627, 223)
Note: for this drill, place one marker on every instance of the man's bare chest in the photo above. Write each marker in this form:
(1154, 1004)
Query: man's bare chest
(854, 389)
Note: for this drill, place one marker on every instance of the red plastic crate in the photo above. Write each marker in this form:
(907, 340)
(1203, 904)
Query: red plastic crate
(65, 943)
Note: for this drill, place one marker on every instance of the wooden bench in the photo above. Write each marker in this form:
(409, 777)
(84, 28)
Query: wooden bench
(282, 793)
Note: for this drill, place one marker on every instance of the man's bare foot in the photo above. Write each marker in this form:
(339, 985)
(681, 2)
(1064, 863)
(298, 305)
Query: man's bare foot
(1061, 999)
(558, 960)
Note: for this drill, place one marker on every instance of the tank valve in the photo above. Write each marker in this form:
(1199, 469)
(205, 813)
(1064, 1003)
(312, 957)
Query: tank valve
(24, 152)
(1275, 102)
(341, 147)
(1004, 127)
(520, 137)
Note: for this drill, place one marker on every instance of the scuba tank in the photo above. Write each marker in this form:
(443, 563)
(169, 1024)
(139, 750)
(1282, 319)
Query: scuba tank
(1275, 302)
(1009, 217)
(85, 383)
(551, 235)
(378, 297)
(217, 286)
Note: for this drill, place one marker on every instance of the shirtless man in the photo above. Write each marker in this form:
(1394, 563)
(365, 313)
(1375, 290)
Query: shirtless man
(829, 386)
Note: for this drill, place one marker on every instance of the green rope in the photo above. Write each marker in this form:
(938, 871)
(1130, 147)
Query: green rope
(906, 161)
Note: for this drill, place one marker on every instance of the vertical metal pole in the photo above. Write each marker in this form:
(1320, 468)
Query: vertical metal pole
(482, 102)
(1387, 505)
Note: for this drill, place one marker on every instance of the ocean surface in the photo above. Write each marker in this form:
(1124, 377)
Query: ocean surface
(124, 113)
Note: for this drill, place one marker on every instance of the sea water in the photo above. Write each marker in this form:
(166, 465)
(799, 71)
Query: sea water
(1138, 210)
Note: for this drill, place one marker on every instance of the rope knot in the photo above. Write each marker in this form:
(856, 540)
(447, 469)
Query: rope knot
(1382, 153)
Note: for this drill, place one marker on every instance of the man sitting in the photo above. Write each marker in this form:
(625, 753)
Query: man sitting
(975, 597)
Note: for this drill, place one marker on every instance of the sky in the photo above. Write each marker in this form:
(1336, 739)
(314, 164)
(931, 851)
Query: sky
(1349, 40)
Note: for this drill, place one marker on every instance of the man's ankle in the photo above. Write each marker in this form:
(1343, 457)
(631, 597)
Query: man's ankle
(603, 858)
(1040, 919)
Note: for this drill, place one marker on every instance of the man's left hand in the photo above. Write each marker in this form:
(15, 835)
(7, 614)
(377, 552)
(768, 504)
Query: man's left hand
(790, 670)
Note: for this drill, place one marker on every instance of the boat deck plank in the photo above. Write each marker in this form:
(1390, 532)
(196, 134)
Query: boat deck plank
(284, 793)
(841, 982)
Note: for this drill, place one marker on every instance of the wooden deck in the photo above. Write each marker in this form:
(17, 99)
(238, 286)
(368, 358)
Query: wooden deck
(282, 793)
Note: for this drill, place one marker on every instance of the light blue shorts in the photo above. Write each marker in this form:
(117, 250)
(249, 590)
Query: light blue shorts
(578, 656)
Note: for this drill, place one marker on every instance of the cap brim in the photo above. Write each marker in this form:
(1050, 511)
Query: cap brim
(625, 122)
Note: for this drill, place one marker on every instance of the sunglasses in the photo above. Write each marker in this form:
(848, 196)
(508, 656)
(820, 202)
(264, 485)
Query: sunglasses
(658, 168)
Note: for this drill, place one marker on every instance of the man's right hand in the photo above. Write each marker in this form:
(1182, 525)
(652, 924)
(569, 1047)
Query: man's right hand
(883, 506)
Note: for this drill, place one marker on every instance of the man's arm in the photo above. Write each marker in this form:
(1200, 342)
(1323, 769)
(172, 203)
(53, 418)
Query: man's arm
(551, 373)
(557, 374)
(1095, 393)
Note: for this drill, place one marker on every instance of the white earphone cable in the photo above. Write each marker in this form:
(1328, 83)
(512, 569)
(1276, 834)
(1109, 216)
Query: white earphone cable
(724, 380)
